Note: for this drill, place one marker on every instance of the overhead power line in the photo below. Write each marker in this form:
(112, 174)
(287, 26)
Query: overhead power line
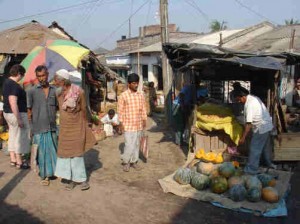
(48, 12)
(123, 23)
(198, 9)
(253, 11)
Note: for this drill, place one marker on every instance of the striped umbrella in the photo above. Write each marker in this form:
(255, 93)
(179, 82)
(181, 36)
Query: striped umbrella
(55, 55)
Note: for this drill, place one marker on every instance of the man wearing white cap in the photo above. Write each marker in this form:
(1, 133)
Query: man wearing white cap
(75, 137)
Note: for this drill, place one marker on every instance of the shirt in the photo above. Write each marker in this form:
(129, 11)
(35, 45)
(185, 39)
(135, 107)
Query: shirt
(12, 88)
(106, 119)
(257, 114)
(132, 110)
(1, 106)
(43, 109)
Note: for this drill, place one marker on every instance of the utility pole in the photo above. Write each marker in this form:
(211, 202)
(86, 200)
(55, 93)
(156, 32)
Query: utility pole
(167, 77)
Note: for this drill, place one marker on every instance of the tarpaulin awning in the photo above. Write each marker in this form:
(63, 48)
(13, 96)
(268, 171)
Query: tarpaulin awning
(182, 56)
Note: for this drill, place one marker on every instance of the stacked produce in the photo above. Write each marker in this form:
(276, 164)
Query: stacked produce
(228, 178)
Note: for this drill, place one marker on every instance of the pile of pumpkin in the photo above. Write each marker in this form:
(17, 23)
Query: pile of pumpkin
(225, 177)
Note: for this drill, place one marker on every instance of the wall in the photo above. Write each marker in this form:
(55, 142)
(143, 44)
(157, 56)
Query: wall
(118, 60)
(155, 29)
(150, 60)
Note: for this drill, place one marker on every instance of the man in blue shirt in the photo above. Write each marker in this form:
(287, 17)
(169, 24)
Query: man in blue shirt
(42, 107)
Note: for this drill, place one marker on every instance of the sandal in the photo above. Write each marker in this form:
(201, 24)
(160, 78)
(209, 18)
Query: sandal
(23, 166)
(84, 186)
(13, 164)
(70, 186)
(45, 182)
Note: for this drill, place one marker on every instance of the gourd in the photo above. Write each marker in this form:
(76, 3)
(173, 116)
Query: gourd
(235, 180)
(205, 168)
(254, 194)
(226, 169)
(209, 157)
(237, 192)
(219, 158)
(266, 180)
(214, 173)
(238, 171)
(183, 176)
(270, 194)
(200, 153)
(218, 185)
(253, 181)
(199, 181)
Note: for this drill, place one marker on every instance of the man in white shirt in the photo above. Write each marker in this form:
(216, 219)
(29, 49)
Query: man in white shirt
(111, 118)
(257, 119)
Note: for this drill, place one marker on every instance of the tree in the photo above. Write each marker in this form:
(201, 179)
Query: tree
(215, 26)
(291, 22)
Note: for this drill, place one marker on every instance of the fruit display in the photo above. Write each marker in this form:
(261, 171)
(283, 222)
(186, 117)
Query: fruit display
(254, 194)
(226, 169)
(218, 185)
(270, 194)
(199, 181)
(235, 180)
(228, 179)
(206, 168)
(266, 180)
(209, 156)
(237, 192)
(183, 176)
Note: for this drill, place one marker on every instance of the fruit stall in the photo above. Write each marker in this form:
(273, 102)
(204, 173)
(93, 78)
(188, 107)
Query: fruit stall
(214, 171)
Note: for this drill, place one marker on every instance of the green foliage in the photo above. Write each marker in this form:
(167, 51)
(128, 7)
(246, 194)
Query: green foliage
(291, 21)
(216, 25)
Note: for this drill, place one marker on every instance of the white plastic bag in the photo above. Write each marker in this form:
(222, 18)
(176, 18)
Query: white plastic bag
(109, 130)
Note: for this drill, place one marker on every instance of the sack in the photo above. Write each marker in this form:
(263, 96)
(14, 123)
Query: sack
(33, 156)
(144, 146)
(109, 130)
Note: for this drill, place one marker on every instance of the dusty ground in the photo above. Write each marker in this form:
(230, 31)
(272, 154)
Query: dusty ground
(118, 197)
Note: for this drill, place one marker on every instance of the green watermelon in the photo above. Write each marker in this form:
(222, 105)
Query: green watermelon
(199, 181)
(183, 176)
(235, 180)
(226, 169)
(266, 179)
(237, 192)
(218, 185)
(254, 194)
(252, 182)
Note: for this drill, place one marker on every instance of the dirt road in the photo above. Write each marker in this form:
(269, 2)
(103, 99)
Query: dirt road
(115, 196)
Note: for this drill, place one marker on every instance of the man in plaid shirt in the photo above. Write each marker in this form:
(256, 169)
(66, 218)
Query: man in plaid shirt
(133, 117)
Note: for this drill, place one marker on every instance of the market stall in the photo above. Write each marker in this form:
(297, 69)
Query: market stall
(215, 167)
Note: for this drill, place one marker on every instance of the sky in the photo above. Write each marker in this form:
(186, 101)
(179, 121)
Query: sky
(99, 23)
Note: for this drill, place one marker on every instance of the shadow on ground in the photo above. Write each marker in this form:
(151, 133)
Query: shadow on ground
(161, 126)
(194, 211)
(12, 213)
(92, 161)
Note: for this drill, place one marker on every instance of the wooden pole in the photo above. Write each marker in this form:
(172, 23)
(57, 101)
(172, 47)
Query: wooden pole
(167, 77)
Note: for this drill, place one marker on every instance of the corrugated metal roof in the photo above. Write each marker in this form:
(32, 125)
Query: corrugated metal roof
(22, 39)
(214, 38)
(157, 46)
(277, 40)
